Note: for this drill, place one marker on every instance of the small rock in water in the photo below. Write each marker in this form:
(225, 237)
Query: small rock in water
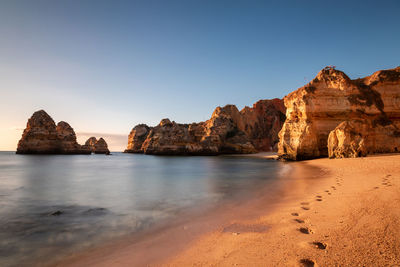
(57, 213)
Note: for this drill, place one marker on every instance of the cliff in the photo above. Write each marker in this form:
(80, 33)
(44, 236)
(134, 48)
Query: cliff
(43, 136)
(339, 117)
(227, 131)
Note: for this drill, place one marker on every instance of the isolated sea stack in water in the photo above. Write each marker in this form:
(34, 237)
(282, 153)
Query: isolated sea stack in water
(43, 136)
(227, 131)
(338, 117)
(97, 146)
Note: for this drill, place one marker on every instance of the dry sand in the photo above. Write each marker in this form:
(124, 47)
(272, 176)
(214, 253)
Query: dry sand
(351, 218)
(345, 214)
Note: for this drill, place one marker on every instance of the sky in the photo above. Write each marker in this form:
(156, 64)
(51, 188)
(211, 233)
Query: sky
(105, 66)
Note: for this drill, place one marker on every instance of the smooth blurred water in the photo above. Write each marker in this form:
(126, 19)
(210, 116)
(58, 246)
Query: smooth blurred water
(56, 204)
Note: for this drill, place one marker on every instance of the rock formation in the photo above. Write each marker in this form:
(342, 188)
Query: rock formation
(67, 140)
(136, 138)
(360, 116)
(42, 136)
(227, 131)
(97, 146)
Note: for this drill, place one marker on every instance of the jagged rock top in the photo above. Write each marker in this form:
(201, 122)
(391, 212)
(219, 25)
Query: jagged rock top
(165, 122)
(227, 131)
(40, 119)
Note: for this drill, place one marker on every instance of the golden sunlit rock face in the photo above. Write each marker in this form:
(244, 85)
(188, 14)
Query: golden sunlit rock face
(43, 136)
(338, 117)
(227, 131)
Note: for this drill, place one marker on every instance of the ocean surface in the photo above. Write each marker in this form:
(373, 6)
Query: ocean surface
(59, 204)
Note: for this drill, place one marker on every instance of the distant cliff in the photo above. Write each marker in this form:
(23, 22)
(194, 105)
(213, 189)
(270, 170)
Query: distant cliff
(227, 131)
(338, 117)
(43, 136)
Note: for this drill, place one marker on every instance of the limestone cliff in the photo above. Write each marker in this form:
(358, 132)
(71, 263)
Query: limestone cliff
(227, 131)
(370, 108)
(43, 136)
(136, 138)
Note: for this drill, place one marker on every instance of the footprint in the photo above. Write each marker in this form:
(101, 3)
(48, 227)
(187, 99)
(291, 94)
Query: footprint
(299, 220)
(305, 208)
(327, 191)
(318, 196)
(307, 263)
(318, 199)
(305, 230)
(319, 245)
(304, 203)
(334, 188)
(376, 187)
(295, 214)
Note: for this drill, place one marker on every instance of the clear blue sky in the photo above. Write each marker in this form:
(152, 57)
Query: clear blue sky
(104, 66)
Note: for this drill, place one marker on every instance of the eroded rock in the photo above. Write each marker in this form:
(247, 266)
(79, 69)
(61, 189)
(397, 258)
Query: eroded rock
(42, 136)
(371, 105)
(97, 146)
(227, 131)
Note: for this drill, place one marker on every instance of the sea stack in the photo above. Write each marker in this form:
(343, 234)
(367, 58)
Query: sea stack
(43, 136)
(338, 117)
(97, 146)
(228, 131)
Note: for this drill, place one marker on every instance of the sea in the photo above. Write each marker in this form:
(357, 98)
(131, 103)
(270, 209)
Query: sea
(55, 205)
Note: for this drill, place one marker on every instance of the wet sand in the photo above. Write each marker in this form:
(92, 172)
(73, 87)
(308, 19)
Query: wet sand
(342, 212)
(350, 218)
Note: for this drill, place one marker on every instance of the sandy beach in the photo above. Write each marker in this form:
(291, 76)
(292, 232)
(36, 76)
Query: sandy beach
(342, 212)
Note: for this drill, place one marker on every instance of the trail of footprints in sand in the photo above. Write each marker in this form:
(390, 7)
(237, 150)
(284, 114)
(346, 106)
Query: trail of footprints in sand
(307, 230)
(386, 181)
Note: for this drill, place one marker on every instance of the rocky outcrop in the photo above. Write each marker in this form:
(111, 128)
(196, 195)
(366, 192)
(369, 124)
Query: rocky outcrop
(136, 138)
(262, 123)
(67, 140)
(347, 141)
(100, 147)
(90, 143)
(97, 146)
(227, 131)
(42, 136)
(359, 116)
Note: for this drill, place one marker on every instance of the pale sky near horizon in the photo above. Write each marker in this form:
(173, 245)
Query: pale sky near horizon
(105, 66)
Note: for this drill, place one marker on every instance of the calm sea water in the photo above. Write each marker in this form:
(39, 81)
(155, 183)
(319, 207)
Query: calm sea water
(55, 205)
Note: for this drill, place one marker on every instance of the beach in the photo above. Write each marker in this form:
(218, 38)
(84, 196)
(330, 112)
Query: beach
(341, 212)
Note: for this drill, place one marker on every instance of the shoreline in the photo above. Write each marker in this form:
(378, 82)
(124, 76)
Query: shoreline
(153, 247)
(327, 213)
(350, 218)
